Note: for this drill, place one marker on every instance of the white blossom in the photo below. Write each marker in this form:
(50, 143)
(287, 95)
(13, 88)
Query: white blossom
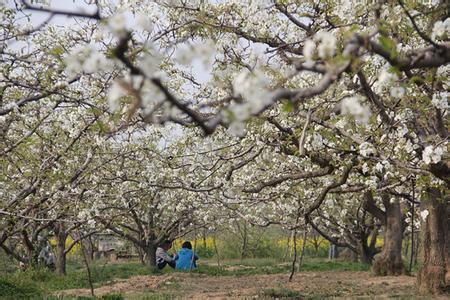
(441, 30)
(150, 64)
(379, 167)
(117, 24)
(397, 92)
(85, 59)
(314, 142)
(385, 79)
(327, 44)
(352, 106)
(308, 50)
(61, 84)
(365, 168)
(366, 149)
(440, 100)
(116, 91)
(144, 22)
(424, 214)
(252, 86)
(432, 154)
(202, 51)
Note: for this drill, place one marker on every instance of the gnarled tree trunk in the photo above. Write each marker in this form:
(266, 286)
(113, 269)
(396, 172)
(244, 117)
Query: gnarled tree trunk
(431, 278)
(365, 252)
(150, 257)
(61, 254)
(389, 261)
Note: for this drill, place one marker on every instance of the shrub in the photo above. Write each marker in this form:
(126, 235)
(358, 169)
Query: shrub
(13, 288)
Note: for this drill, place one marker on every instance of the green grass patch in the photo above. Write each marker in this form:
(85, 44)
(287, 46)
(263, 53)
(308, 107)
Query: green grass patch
(48, 282)
(265, 266)
(239, 270)
(334, 266)
(13, 289)
(252, 262)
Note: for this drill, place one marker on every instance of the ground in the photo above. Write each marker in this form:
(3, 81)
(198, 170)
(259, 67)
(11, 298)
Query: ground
(305, 284)
(262, 278)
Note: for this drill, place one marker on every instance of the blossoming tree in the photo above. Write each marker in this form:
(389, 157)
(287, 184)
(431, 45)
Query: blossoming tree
(356, 89)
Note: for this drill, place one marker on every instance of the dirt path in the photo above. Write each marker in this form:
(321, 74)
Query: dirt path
(307, 284)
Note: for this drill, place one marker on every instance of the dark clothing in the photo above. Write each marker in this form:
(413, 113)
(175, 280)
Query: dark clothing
(162, 264)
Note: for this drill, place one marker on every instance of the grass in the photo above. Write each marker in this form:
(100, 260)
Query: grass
(12, 289)
(40, 282)
(104, 297)
(334, 266)
(272, 266)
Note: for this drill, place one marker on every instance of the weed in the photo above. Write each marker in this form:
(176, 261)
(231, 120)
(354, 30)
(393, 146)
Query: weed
(18, 289)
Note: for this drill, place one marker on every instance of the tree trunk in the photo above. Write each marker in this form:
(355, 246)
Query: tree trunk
(417, 248)
(61, 237)
(366, 250)
(91, 248)
(431, 277)
(244, 242)
(353, 256)
(150, 257)
(365, 254)
(141, 254)
(286, 253)
(204, 239)
(216, 249)
(31, 251)
(61, 256)
(61, 262)
(389, 261)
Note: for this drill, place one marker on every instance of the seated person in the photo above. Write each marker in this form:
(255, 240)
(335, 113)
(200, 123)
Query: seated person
(162, 257)
(185, 257)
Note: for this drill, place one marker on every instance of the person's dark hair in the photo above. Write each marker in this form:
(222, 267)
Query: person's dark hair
(187, 245)
(166, 243)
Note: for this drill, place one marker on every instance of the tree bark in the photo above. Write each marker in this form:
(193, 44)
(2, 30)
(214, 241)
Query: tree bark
(90, 248)
(61, 255)
(431, 277)
(61, 237)
(216, 249)
(31, 251)
(244, 234)
(353, 256)
(365, 253)
(150, 257)
(204, 239)
(365, 249)
(389, 261)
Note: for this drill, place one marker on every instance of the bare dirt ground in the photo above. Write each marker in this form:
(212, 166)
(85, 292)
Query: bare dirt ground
(307, 284)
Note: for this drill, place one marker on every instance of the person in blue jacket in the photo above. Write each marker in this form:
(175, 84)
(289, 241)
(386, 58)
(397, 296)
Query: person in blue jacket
(185, 257)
